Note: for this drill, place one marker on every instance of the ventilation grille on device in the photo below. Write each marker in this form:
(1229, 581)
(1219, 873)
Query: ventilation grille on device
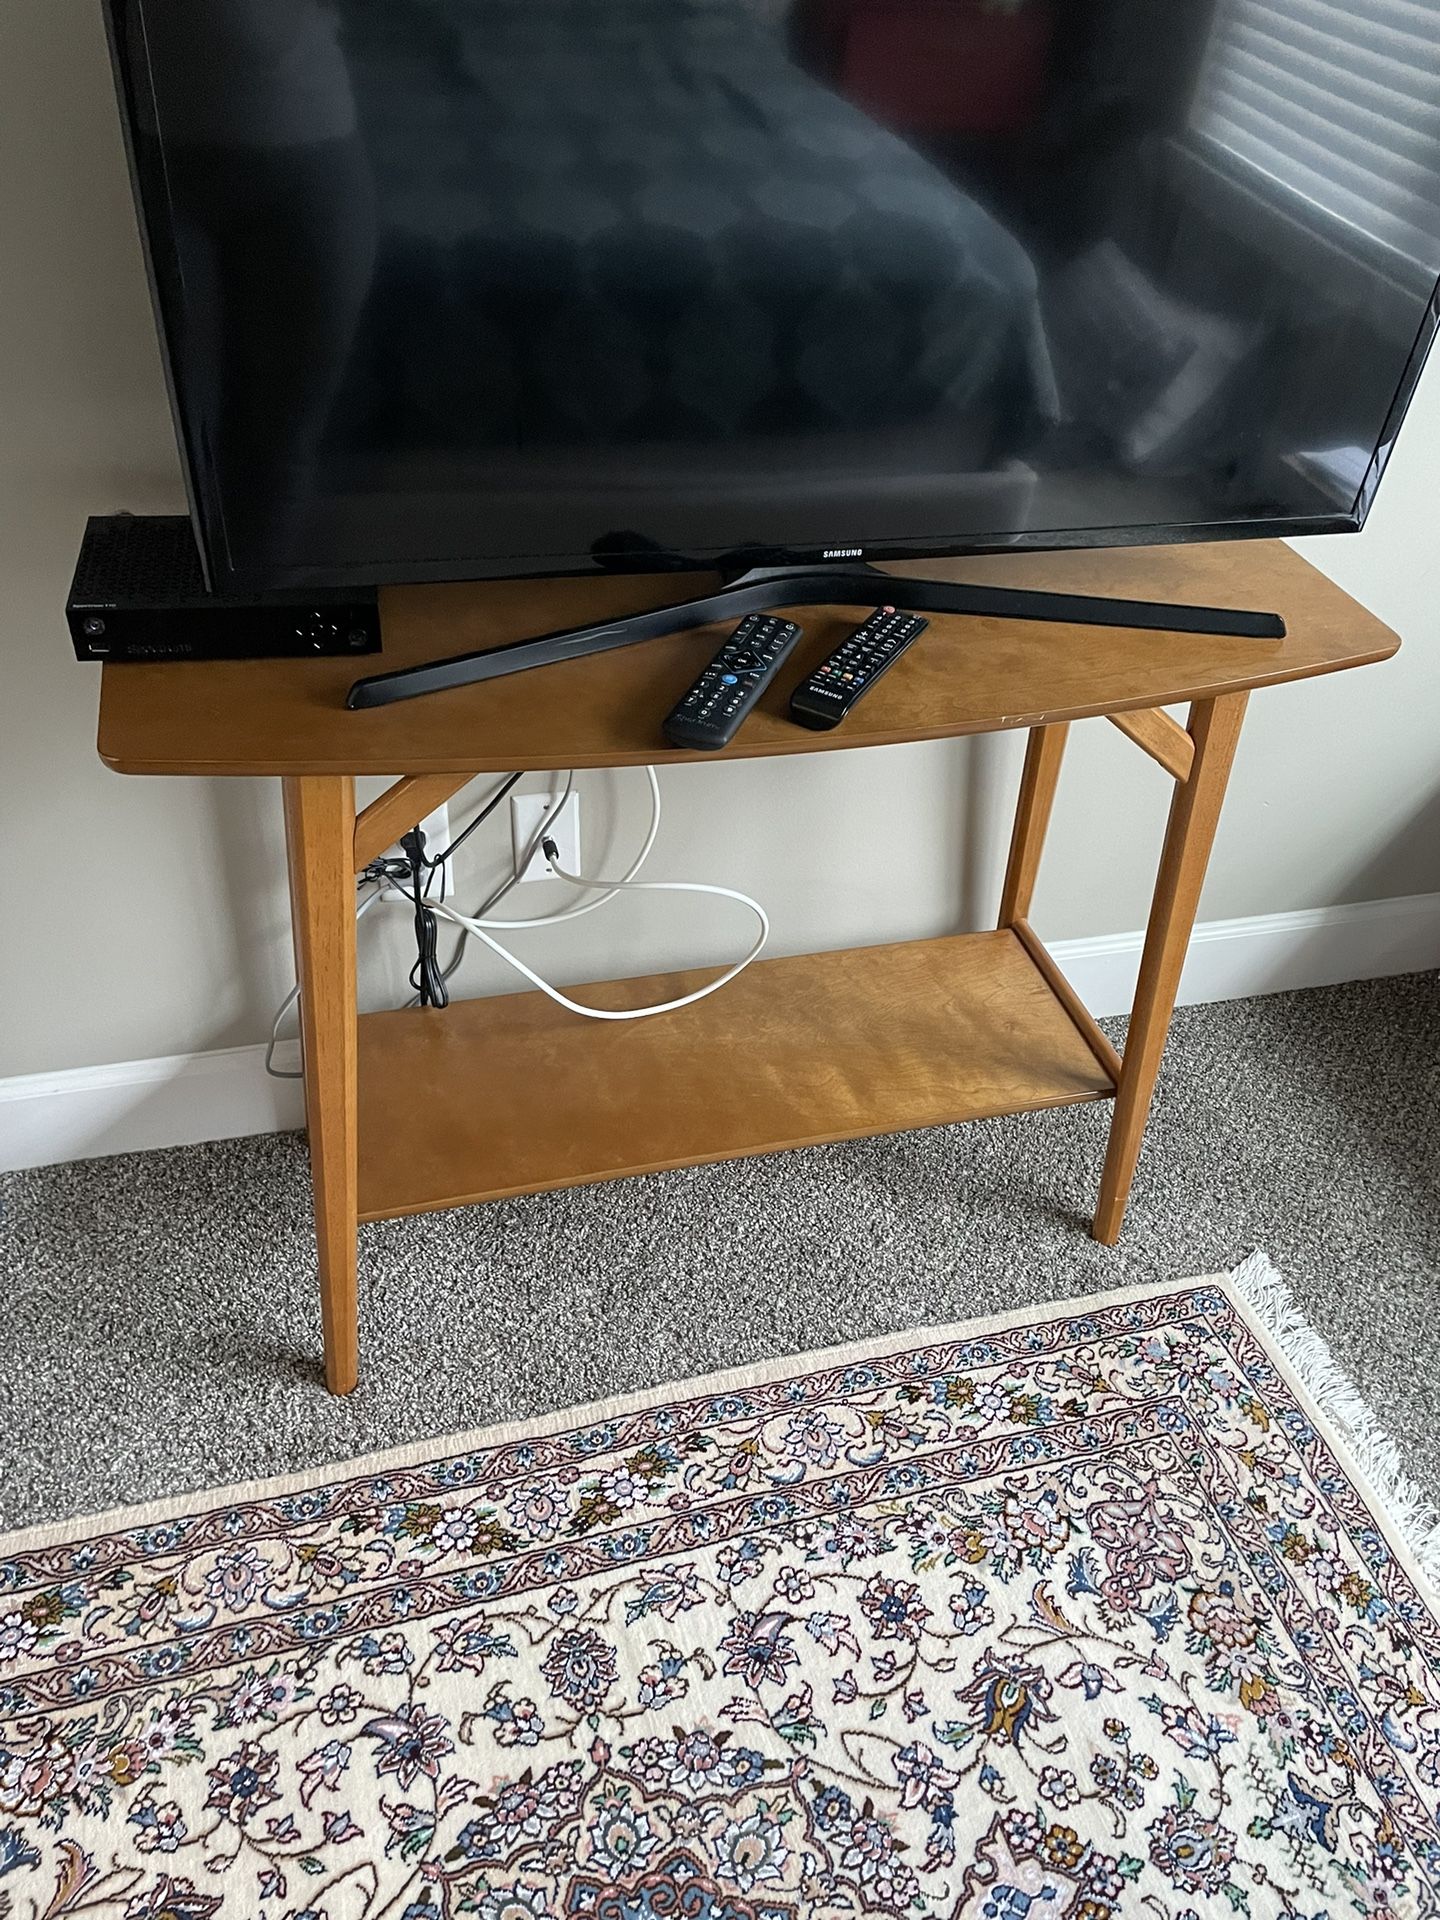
(140, 558)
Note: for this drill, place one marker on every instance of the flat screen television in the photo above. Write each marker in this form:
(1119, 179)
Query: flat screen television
(454, 289)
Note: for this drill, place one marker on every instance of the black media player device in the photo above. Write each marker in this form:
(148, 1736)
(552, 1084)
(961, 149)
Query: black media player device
(139, 594)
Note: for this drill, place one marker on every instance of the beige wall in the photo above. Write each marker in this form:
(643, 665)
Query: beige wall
(149, 917)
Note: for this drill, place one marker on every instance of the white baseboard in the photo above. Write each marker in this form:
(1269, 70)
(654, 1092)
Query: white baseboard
(90, 1111)
(171, 1102)
(1269, 953)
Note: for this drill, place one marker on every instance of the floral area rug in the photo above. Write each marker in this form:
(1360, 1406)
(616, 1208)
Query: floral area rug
(1079, 1614)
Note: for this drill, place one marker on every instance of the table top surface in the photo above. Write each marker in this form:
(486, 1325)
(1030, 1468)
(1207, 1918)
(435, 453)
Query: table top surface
(964, 675)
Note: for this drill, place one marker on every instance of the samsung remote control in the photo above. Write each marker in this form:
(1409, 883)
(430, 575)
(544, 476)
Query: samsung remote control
(856, 664)
(710, 714)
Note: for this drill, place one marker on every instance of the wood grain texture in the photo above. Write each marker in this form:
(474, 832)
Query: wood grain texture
(320, 833)
(514, 1095)
(1190, 833)
(1063, 991)
(1044, 752)
(963, 676)
(399, 808)
(1161, 737)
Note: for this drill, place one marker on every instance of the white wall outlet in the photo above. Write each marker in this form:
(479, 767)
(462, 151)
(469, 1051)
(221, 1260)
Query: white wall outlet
(527, 813)
(436, 829)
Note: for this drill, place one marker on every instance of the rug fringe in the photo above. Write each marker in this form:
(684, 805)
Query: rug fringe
(1414, 1515)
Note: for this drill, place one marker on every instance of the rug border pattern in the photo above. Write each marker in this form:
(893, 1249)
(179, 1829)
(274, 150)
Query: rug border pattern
(437, 1449)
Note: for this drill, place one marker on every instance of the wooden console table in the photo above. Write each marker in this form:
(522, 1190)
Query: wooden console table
(410, 1111)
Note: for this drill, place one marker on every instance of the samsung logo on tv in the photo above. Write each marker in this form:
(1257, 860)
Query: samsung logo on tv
(842, 553)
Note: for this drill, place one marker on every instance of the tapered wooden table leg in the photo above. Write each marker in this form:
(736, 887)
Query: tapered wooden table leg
(1044, 752)
(1194, 814)
(320, 838)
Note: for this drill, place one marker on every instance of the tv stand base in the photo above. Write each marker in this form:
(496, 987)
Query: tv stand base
(847, 584)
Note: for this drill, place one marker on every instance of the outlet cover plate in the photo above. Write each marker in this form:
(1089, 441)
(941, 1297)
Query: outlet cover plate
(527, 811)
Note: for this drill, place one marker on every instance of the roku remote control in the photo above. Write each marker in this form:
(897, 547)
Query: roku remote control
(856, 664)
(711, 713)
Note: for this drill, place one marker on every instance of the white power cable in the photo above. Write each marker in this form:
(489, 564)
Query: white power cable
(293, 1073)
(483, 929)
(497, 894)
(611, 888)
(608, 888)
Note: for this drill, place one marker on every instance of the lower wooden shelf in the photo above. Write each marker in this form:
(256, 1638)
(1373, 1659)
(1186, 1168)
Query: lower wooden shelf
(514, 1095)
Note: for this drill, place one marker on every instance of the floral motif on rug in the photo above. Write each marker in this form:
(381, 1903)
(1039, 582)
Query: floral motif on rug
(1069, 1617)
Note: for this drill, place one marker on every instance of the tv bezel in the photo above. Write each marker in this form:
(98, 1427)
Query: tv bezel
(150, 191)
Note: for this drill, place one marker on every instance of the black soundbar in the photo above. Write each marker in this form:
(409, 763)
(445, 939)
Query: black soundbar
(763, 589)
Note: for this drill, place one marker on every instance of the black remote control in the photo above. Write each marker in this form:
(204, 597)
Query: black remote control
(856, 664)
(710, 714)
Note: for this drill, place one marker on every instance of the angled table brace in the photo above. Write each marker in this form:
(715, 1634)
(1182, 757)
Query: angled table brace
(399, 808)
(1161, 737)
(1201, 772)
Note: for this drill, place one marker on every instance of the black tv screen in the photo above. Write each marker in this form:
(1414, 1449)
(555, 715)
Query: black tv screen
(463, 288)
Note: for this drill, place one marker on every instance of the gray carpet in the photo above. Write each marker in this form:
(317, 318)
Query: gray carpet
(159, 1329)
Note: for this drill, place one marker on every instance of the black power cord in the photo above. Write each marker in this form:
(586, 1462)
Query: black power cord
(426, 976)
(484, 814)
(416, 873)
